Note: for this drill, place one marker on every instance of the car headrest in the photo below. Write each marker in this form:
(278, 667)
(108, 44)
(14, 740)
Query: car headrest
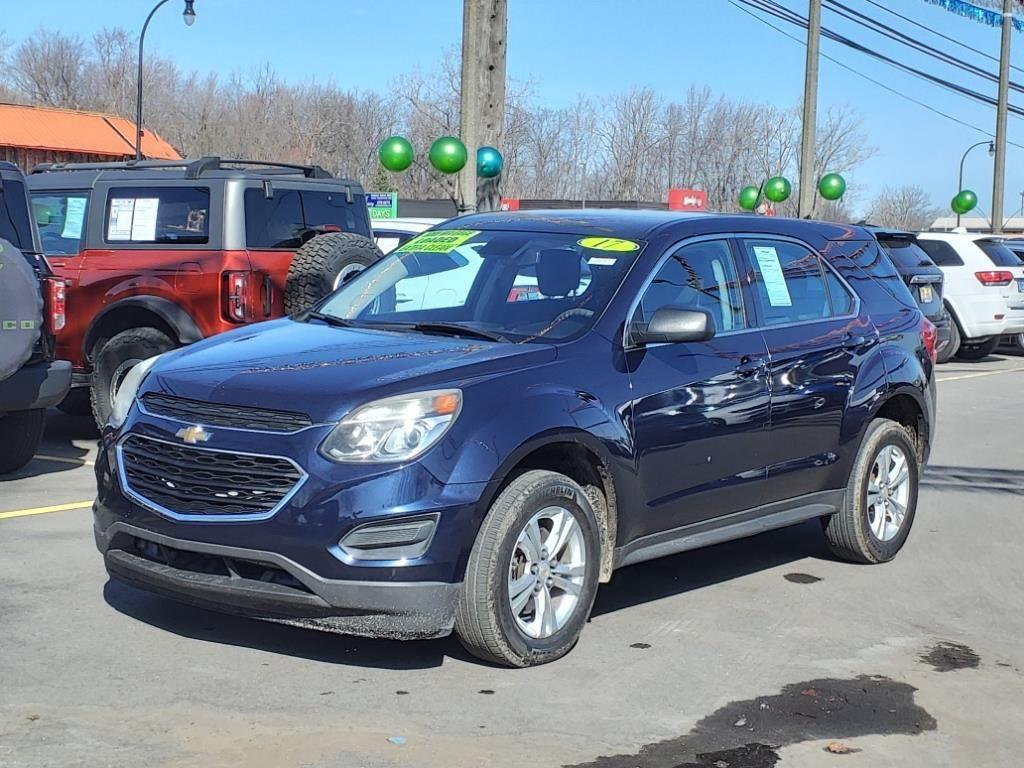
(558, 271)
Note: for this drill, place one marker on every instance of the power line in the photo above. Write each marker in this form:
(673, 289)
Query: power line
(873, 81)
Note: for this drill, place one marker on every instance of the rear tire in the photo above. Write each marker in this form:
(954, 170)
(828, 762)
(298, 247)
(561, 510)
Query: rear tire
(952, 346)
(862, 532)
(20, 435)
(979, 350)
(486, 621)
(317, 266)
(115, 358)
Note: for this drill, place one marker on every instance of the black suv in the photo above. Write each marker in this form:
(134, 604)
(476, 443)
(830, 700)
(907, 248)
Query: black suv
(477, 430)
(31, 308)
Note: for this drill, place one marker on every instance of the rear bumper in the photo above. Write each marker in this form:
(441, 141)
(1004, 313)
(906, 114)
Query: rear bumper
(38, 385)
(398, 610)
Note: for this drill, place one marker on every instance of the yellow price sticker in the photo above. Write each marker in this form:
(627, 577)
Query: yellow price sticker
(438, 241)
(609, 244)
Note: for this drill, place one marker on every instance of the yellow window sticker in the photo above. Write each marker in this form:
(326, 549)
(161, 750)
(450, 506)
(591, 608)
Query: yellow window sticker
(439, 241)
(609, 244)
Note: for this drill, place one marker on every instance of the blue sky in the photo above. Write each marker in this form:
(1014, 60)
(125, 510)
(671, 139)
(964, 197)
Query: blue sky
(567, 47)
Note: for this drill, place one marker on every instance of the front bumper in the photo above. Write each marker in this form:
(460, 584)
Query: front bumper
(37, 385)
(266, 585)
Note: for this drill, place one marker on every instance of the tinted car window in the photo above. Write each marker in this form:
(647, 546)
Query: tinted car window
(15, 226)
(171, 215)
(998, 253)
(905, 252)
(840, 296)
(941, 252)
(699, 276)
(287, 219)
(60, 217)
(788, 282)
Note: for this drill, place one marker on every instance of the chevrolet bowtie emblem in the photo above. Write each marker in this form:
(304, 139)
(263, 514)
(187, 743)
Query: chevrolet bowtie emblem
(193, 434)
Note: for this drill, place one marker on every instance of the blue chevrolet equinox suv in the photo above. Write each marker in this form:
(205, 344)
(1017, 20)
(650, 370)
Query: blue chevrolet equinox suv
(475, 431)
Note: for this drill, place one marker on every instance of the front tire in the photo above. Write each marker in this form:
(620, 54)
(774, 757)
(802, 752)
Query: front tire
(881, 497)
(115, 358)
(977, 351)
(532, 575)
(20, 435)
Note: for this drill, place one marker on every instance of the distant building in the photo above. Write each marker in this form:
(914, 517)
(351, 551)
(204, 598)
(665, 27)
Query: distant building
(32, 135)
(1012, 226)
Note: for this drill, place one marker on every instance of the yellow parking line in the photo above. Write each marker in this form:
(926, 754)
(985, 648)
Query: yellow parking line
(45, 510)
(982, 373)
(67, 460)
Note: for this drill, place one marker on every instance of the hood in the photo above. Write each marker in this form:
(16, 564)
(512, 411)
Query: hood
(324, 370)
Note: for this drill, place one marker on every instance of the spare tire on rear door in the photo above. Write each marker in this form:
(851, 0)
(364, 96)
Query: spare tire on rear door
(21, 310)
(322, 264)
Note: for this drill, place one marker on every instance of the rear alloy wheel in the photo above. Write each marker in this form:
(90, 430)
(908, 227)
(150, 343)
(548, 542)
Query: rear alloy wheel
(532, 575)
(881, 497)
(978, 350)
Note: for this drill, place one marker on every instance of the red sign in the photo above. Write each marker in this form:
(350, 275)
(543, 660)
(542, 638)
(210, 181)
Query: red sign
(687, 200)
(510, 203)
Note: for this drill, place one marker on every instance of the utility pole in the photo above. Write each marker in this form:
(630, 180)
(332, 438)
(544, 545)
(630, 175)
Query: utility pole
(482, 116)
(999, 173)
(806, 201)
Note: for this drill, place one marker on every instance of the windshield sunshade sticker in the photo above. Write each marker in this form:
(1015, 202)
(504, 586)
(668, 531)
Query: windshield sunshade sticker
(771, 273)
(609, 244)
(439, 241)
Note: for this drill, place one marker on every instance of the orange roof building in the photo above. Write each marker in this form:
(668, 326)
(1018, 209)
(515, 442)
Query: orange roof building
(31, 135)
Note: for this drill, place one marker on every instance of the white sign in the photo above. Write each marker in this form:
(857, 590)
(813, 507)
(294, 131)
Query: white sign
(771, 273)
(144, 219)
(119, 226)
(73, 218)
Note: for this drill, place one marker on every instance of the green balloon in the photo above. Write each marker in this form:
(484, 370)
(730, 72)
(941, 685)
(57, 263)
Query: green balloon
(396, 153)
(777, 189)
(448, 154)
(964, 202)
(748, 198)
(832, 186)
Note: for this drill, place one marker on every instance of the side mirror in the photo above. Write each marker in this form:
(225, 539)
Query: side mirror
(673, 325)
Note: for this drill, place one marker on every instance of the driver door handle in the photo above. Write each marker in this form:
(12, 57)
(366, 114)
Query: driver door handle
(750, 366)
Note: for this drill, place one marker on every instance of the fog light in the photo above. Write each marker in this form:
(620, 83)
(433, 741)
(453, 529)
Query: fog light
(395, 540)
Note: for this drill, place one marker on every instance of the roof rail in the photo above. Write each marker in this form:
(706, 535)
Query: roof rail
(193, 168)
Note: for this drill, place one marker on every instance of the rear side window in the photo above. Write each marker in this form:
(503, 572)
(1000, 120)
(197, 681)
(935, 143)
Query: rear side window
(698, 276)
(941, 252)
(789, 283)
(60, 217)
(165, 215)
(905, 252)
(291, 216)
(15, 226)
(998, 253)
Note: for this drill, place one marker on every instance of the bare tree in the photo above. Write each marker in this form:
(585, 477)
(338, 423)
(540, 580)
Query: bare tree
(907, 207)
(49, 69)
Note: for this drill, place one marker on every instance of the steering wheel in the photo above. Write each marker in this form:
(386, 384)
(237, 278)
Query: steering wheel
(574, 312)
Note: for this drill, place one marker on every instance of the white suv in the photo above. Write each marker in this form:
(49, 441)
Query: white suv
(984, 289)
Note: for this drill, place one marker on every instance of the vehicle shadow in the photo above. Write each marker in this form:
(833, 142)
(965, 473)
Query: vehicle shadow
(974, 479)
(58, 451)
(629, 587)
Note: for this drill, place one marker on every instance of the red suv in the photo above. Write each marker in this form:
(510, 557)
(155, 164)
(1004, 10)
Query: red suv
(158, 254)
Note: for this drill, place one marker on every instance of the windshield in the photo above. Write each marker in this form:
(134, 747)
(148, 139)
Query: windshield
(516, 286)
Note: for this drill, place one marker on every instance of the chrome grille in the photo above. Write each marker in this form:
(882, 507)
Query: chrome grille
(224, 415)
(185, 481)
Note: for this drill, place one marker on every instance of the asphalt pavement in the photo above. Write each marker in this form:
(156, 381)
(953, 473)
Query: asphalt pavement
(759, 653)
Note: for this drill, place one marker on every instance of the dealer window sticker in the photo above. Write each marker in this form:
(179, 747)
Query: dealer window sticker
(772, 275)
(74, 216)
(439, 241)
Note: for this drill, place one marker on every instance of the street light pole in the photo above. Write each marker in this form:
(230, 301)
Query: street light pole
(960, 178)
(189, 15)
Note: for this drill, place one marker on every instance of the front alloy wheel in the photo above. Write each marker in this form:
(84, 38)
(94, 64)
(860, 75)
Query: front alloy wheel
(888, 492)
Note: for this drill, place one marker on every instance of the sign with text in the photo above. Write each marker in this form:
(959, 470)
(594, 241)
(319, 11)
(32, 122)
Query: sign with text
(687, 200)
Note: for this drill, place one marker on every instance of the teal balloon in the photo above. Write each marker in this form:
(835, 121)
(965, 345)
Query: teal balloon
(777, 189)
(748, 198)
(396, 153)
(488, 162)
(832, 186)
(964, 202)
(448, 154)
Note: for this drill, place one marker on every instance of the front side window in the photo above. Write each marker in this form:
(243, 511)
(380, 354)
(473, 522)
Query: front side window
(788, 282)
(697, 276)
(165, 215)
(60, 217)
(514, 286)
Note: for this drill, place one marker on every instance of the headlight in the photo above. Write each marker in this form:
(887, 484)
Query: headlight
(395, 428)
(125, 395)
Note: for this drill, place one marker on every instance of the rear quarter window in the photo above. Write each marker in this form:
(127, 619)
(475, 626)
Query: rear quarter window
(941, 252)
(288, 218)
(998, 253)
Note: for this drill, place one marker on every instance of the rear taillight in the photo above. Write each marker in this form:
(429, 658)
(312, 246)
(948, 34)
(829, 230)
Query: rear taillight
(994, 277)
(236, 293)
(929, 338)
(56, 303)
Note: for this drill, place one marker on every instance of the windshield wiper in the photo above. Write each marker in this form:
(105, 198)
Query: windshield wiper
(340, 322)
(447, 329)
